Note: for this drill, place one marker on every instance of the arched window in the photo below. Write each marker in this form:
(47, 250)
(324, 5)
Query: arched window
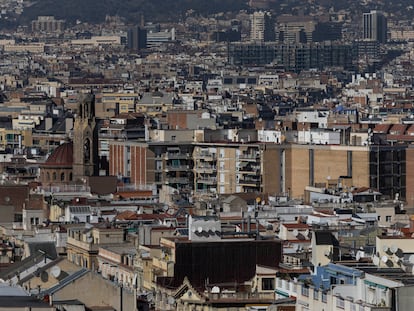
(70, 177)
(48, 176)
(54, 176)
(62, 176)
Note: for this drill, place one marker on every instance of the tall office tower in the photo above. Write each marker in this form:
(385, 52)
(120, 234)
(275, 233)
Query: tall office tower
(262, 27)
(137, 38)
(375, 26)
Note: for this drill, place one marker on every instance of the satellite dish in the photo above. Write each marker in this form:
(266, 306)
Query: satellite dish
(389, 264)
(44, 276)
(358, 256)
(411, 259)
(193, 229)
(171, 300)
(89, 239)
(55, 271)
(393, 249)
(215, 290)
(399, 253)
(384, 259)
(385, 248)
(376, 260)
(295, 232)
(306, 233)
(200, 229)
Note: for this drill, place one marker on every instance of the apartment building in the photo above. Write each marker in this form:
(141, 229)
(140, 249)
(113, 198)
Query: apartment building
(132, 162)
(83, 244)
(235, 167)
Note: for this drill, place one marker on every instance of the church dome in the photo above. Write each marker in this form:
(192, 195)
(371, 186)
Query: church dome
(61, 156)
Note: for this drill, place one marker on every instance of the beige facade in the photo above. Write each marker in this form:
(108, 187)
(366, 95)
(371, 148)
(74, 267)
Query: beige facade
(236, 168)
(308, 165)
(82, 247)
(115, 103)
(94, 291)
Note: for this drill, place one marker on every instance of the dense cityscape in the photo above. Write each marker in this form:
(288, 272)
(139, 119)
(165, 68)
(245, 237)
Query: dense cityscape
(206, 155)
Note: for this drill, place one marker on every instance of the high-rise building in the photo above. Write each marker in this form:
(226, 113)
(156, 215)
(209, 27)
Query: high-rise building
(48, 24)
(137, 38)
(375, 26)
(262, 27)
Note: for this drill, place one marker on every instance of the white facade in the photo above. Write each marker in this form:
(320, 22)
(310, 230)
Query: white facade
(269, 136)
(319, 137)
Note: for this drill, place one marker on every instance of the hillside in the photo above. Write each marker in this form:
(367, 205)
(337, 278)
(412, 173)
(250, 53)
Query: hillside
(94, 11)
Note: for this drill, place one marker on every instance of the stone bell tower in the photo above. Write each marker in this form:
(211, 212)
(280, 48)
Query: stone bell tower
(85, 139)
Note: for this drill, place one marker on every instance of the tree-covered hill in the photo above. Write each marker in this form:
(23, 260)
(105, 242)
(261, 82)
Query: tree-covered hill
(157, 10)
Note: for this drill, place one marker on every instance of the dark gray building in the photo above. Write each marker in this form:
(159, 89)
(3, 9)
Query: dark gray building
(137, 38)
(375, 26)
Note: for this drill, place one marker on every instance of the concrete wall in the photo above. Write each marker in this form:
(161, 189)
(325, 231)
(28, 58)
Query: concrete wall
(93, 290)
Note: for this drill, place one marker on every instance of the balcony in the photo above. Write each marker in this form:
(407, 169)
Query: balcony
(82, 245)
(249, 182)
(160, 264)
(206, 169)
(177, 180)
(254, 156)
(206, 156)
(163, 267)
(249, 170)
(176, 168)
(207, 180)
(176, 155)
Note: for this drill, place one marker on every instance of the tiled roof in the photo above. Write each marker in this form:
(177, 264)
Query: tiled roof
(61, 156)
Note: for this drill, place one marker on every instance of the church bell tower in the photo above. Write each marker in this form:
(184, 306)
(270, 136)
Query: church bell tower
(85, 139)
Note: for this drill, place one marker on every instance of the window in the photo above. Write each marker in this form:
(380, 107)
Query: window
(340, 303)
(315, 294)
(173, 137)
(388, 218)
(268, 284)
(324, 297)
(62, 177)
(305, 291)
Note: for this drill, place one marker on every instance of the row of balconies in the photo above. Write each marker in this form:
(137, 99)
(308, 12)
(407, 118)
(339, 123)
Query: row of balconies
(249, 156)
(207, 180)
(177, 180)
(176, 155)
(206, 156)
(177, 168)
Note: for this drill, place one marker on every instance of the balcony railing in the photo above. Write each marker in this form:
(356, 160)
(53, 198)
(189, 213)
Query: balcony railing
(177, 167)
(177, 156)
(177, 180)
(206, 180)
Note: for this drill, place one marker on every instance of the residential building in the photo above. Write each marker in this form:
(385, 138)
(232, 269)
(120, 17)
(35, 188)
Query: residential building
(262, 27)
(83, 244)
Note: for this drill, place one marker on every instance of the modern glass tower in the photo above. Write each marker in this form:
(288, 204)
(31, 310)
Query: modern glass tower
(375, 26)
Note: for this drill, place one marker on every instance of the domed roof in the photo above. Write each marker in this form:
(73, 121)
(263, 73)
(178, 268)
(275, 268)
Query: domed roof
(61, 156)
